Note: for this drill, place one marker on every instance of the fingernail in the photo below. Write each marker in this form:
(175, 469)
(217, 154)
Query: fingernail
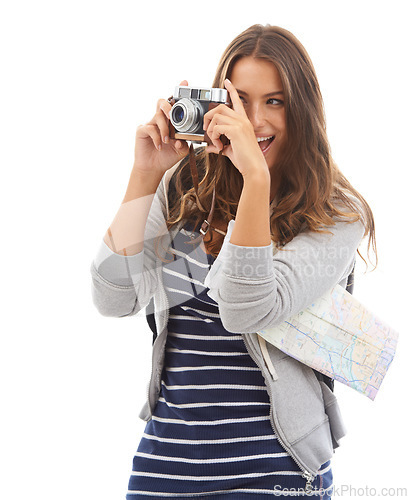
(227, 81)
(166, 139)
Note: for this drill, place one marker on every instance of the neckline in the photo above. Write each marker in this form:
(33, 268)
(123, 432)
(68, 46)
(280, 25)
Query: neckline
(195, 234)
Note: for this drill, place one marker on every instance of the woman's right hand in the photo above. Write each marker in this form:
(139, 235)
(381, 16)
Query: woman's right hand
(155, 152)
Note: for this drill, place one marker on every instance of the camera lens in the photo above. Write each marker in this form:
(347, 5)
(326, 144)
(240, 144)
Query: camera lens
(186, 115)
(178, 114)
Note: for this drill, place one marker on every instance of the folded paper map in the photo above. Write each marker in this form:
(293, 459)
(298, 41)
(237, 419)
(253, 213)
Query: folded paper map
(339, 337)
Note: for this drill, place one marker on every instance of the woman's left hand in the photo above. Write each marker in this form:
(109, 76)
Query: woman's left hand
(243, 150)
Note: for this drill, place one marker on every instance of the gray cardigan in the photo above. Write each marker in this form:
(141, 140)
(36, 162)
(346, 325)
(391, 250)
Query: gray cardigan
(255, 287)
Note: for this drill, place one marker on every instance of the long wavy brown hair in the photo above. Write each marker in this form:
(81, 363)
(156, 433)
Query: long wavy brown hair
(311, 187)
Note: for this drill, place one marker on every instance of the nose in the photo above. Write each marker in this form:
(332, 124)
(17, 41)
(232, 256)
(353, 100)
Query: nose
(256, 116)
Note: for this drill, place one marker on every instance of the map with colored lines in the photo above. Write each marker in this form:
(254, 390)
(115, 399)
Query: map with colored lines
(339, 337)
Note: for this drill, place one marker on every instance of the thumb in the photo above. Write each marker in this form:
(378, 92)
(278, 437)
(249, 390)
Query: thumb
(182, 147)
(184, 83)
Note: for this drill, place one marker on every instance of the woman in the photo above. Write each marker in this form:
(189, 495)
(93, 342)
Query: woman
(227, 415)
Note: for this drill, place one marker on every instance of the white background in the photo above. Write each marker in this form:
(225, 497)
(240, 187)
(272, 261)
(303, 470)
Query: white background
(77, 79)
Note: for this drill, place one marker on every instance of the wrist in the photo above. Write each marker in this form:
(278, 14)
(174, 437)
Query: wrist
(141, 184)
(147, 177)
(259, 176)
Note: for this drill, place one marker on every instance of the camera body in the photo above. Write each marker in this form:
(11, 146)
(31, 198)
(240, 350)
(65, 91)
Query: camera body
(189, 105)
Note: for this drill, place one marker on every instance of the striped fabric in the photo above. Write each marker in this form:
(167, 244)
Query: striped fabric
(210, 434)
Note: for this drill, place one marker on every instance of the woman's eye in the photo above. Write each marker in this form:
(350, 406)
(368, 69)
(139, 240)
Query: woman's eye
(275, 101)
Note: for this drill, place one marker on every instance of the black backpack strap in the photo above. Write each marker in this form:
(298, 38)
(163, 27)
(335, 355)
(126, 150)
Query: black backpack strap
(350, 281)
(150, 318)
(324, 378)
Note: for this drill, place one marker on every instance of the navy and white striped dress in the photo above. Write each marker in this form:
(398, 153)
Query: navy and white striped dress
(210, 434)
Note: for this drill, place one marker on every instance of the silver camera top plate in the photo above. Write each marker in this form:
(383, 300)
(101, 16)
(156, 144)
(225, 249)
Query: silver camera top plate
(201, 93)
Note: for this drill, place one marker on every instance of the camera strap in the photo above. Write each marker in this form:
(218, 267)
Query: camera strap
(205, 226)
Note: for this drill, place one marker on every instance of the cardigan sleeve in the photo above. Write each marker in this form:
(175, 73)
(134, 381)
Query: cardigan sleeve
(123, 285)
(260, 287)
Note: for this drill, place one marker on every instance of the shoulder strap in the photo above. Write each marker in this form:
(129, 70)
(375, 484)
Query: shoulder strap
(350, 281)
(150, 318)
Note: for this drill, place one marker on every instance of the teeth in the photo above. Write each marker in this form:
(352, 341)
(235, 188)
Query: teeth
(259, 139)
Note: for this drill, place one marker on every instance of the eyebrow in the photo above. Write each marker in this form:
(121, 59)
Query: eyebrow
(278, 92)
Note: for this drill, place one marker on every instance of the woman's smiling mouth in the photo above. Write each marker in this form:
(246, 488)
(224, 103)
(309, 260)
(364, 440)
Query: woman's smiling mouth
(265, 142)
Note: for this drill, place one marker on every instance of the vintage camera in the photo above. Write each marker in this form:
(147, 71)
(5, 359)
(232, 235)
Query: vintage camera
(189, 105)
